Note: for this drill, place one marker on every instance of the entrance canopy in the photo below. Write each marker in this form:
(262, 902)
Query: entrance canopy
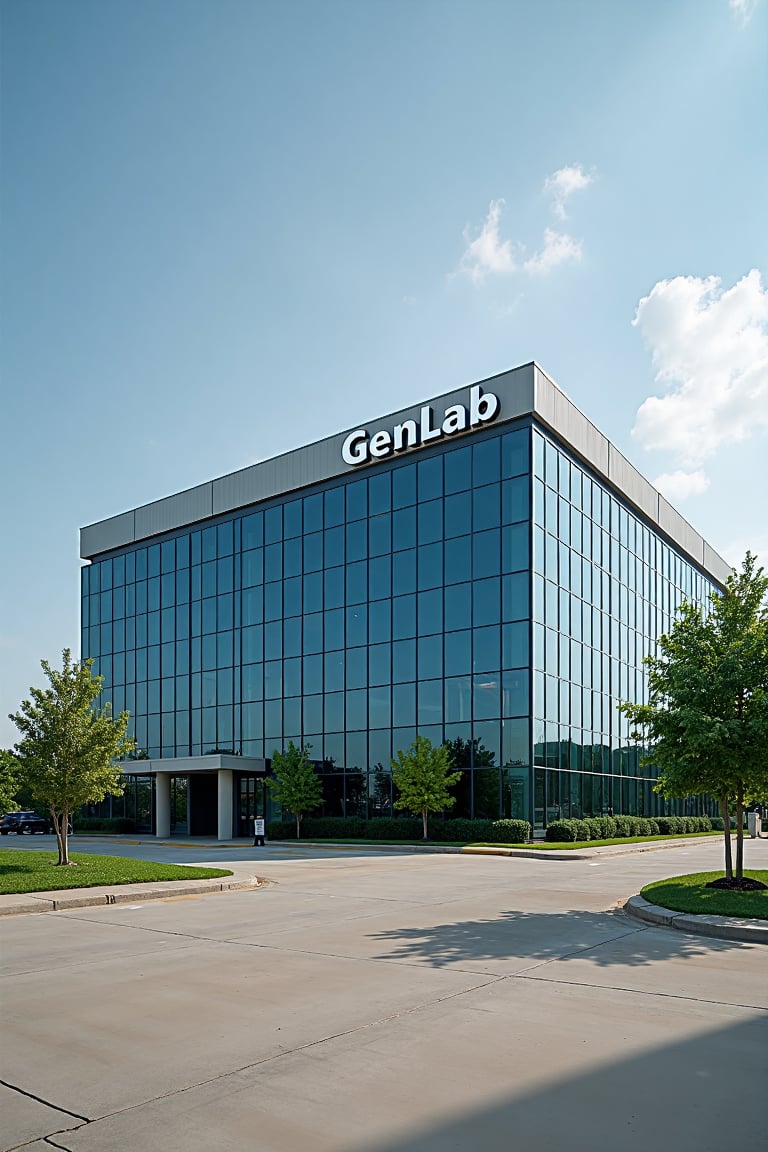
(185, 765)
(211, 796)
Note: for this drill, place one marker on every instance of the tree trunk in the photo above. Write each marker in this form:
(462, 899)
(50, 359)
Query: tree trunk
(727, 833)
(61, 828)
(740, 833)
(424, 823)
(298, 826)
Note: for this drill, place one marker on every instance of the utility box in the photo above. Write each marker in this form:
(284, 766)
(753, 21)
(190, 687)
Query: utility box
(754, 824)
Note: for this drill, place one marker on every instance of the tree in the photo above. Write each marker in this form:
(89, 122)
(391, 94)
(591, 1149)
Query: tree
(9, 781)
(68, 749)
(423, 776)
(706, 721)
(294, 782)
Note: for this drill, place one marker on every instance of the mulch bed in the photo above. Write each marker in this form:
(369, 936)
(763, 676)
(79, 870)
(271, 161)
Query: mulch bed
(744, 885)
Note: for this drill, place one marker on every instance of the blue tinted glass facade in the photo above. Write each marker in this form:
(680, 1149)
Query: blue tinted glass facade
(488, 592)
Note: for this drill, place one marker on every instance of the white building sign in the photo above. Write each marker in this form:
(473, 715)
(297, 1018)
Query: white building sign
(360, 448)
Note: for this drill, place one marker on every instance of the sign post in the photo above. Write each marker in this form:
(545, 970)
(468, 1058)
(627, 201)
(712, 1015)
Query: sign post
(258, 832)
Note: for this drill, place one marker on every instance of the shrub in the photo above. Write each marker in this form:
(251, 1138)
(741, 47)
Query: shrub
(104, 824)
(561, 831)
(330, 827)
(402, 828)
(623, 825)
(460, 828)
(601, 827)
(398, 828)
(281, 830)
(616, 827)
(510, 832)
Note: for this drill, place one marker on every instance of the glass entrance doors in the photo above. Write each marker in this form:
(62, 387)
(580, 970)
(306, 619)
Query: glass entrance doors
(179, 805)
(250, 803)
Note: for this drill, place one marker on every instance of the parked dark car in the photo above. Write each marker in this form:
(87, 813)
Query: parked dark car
(20, 822)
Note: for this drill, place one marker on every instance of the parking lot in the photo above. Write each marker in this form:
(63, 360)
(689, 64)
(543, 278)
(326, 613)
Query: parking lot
(364, 1000)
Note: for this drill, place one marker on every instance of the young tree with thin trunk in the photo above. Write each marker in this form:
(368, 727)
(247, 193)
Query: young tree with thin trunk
(422, 776)
(294, 782)
(68, 748)
(706, 721)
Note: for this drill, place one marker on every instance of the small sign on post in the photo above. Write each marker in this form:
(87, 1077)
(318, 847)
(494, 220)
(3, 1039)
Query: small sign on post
(258, 832)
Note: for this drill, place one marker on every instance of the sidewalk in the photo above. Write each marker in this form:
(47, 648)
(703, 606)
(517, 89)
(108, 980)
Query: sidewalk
(63, 898)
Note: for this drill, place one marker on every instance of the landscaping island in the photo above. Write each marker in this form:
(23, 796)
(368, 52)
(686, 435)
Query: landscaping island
(691, 894)
(29, 871)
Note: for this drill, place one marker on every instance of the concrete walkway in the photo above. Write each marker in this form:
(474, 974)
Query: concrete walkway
(59, 899)
(384, 1002)
(721, 927)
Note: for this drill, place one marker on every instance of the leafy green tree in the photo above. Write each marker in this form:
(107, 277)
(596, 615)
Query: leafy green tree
(706, 721)
(294, 782)
(68, 748)
(9, 781)
(422, 776)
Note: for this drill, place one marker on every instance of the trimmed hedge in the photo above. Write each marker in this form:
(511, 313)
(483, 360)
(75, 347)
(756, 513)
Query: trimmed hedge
(401, 828)
(614, 827)
(104, 824)
(718, 824)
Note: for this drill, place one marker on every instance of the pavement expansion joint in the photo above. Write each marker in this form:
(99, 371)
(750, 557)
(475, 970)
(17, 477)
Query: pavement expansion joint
(653, 993)
(47, 1103)
(64, 1147)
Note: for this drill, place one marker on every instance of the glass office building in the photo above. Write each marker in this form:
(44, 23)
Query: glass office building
(483, 569)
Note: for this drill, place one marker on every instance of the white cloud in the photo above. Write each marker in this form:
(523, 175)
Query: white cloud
(679, 485)
(711, 348)
(743, 10)
(487, 253)
(563, 183)
(735, 551)
(558, 248)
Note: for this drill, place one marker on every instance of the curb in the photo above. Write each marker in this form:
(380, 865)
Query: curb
(528, 853)
(720, 927)
(19, 904)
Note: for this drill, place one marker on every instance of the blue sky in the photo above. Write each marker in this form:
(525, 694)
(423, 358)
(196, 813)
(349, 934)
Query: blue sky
(233, 227)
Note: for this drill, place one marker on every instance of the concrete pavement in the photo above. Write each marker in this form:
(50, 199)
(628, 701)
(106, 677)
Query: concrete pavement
(390, 1002)
(723, 927)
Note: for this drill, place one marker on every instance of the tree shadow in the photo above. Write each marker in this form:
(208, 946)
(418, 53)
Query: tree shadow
(542, 936)
(703, 1093)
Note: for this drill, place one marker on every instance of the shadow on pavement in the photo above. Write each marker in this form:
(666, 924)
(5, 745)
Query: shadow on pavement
(545, 936)
(704, 1094)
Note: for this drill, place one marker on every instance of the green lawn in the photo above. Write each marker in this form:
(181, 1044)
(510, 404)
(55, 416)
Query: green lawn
(690, 894)
(28, 871)
(539, 845)
(569, 845)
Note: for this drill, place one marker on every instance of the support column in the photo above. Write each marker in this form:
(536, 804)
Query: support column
(226, 802)
(163, 805)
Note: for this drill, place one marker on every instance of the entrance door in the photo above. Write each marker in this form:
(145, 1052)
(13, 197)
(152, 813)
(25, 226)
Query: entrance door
(179, 805)
(250, 803)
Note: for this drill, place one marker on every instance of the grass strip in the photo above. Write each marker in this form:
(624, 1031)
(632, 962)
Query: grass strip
(570, 845)
(29, 871)
(539, 845)
(690, 894)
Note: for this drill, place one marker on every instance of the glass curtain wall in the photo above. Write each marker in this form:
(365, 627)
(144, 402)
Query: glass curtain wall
(348, 619)
(494, 595)
(605, 588)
